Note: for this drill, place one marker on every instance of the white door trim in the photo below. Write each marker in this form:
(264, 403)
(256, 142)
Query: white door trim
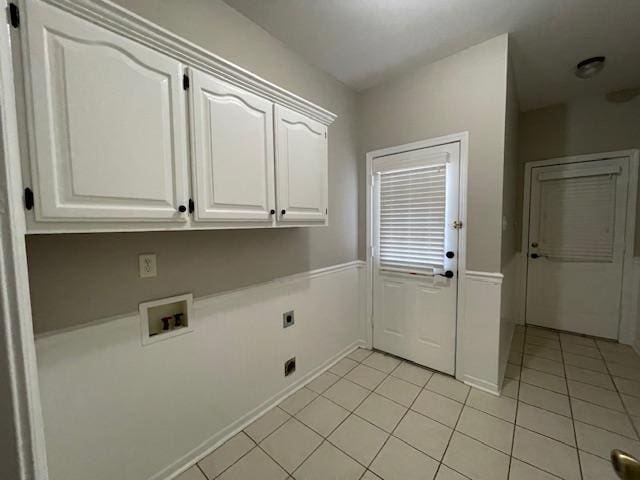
(463, 139)
(627, 325)
(25, 453)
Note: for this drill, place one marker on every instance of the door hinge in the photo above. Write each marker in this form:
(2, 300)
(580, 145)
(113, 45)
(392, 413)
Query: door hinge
(326, 211)
(185, 82)
(457, 225)
(28, 198)
(373, 180)
(14, 15)
(192, 205)
(325, 134)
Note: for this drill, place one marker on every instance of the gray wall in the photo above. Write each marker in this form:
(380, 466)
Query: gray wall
(585, 125)
(84, 277)
(511, 292)
(463, 92)
(512, 176)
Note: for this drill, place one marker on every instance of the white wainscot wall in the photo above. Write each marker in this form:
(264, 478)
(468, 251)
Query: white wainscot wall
(114, 409)
(479, 332)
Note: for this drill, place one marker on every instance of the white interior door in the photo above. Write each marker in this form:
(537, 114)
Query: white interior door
(108, 123)
(576, 246)
(415, 210)
(301, 167)
(233, 146)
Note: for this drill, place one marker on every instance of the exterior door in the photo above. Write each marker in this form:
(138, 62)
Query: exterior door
(108, 123)
(576, 246)
(233, 150)
(415, 255)
(301, 167)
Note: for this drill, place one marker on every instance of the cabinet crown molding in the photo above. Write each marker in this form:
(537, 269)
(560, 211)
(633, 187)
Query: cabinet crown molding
(123, 22)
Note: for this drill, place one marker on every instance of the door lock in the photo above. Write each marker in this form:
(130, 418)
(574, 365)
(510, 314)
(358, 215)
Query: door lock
(450, 254)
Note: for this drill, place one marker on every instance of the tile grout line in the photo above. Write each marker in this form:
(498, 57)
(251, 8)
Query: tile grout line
(453, 431)
(290, 474)
(538, 433)
(351, 412)
(624, 405)
(237, 460)
(409, 409)
(515, 420)
(573, 421)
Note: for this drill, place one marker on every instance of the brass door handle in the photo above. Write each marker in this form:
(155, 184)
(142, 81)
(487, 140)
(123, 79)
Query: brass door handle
(626, 466)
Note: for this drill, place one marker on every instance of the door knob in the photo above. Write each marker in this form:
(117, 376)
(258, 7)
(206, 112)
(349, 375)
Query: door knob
(272, 211)
(535, 255)
(626, 466)
(182, 209)
(283, 211)
(447, 274)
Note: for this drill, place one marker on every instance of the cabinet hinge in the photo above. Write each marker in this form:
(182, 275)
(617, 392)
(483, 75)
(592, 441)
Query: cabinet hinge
(14, 15)
(28, 198)
(185, 82)
(192, 205)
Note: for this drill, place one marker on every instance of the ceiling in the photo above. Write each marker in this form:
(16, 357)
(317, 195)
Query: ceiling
(365, 42)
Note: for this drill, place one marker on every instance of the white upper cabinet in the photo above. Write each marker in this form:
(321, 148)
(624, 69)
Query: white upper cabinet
(108, 123)
(233, 173)
(130, 127)
(301, 167)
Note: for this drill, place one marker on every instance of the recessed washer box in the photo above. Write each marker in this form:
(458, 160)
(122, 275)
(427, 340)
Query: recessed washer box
(165, 318)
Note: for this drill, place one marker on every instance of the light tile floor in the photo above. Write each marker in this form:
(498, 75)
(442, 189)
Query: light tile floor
(567, 401)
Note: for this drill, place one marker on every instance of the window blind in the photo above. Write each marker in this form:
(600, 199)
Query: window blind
(578, 218)
(412, 219)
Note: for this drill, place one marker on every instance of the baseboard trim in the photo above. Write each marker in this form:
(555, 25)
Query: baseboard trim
(188, 460)
(480, 384)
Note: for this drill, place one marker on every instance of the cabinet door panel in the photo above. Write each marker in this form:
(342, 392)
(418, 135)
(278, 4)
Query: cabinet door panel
(233, 142)
(301, 163)
(108, 124)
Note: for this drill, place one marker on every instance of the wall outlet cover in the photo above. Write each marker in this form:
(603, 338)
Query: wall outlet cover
(289, 366)
(147, 265)
(288, 319)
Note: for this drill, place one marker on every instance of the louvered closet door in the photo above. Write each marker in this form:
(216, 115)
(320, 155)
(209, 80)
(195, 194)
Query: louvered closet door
(576, 246)
(414, 209)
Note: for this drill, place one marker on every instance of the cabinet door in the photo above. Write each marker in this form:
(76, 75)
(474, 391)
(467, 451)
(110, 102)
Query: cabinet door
(301, 167)
(233, 151)
(107, 123)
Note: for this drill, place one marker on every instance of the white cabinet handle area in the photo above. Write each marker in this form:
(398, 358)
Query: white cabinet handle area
(131, 128)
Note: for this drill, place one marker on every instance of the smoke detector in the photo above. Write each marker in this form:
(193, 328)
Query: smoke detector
(589, 67)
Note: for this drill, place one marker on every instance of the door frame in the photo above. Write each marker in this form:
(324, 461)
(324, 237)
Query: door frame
(463, 139)
(627, 321)
(26, 455)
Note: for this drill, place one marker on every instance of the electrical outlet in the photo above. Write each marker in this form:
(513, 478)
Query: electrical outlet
(288, 319)
(289, 366)
(147, 265)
